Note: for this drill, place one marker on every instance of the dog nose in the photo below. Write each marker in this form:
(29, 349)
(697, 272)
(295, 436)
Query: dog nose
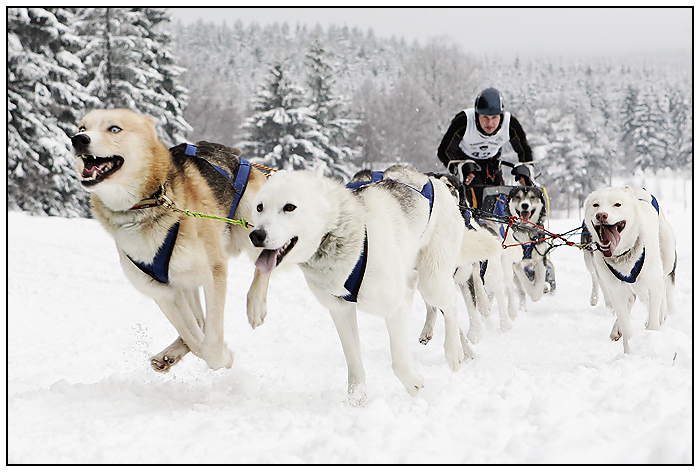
(257, 237)
(601, 216)
(524, 206)
(80, 142)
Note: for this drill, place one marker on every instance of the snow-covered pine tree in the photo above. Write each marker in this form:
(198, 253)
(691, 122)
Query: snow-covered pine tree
(647, 138)
(680, 130)
(129, 65)
(333, 128)
(45, 101)
(281, 130)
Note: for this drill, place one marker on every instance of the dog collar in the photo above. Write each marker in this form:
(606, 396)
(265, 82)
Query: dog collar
(157, 199)
(632, 278)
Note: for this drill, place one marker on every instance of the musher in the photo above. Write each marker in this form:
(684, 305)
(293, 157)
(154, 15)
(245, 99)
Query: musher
(471, 147)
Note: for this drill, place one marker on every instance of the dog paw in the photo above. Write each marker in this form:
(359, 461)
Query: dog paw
(615, 334)
(357, 396)
(455, 361)
(425, 338)
(474, 334)
(218, 359)
(506, 325)
(594, 299)
(413, 381)
(257, 314)
(163, 363)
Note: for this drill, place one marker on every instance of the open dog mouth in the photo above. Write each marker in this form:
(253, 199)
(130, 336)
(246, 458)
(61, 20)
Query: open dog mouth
(524, 214)
(271, 258)
(96, 169)
(609, 236)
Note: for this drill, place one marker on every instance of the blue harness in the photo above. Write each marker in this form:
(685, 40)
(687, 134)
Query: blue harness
(158, 268)
(354, 281)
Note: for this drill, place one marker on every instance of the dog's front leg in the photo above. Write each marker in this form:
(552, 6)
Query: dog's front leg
(345, 320)
(214, 349)
(655, 300)
(621, 307)
(540, 272)
(257, 298)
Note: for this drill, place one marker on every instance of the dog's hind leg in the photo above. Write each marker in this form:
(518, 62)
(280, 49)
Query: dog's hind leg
(345, 320)
(178, 311)
(397, 325)
(469, 294)
(430, 316)
(172, 354)
(438, 290)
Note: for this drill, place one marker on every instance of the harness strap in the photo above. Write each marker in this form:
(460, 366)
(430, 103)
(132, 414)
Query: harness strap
(354, 281)
(632, 278)
(239, 183)
(158, 269)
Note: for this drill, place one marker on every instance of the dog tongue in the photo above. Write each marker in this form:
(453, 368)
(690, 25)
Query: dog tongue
(267, 261)
(525, 215)
(88, 171)
(609, 235)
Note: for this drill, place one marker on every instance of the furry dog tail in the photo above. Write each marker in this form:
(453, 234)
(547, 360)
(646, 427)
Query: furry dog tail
(478, 244)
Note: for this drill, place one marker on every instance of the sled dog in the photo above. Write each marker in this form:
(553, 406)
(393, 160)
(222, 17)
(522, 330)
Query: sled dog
(129, 173)
(528, 203)
(367, 249)
(472, 281)
(636, 254)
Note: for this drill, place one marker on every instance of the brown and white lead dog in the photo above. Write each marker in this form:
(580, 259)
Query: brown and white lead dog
(166, 255)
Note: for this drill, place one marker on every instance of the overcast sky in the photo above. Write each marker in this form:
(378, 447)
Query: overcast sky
(493, 31)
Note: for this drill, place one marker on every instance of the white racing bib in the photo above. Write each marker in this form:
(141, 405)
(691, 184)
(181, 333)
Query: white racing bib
(476, 145)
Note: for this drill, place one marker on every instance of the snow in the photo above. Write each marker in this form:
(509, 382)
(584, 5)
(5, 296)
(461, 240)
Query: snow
(553, 389)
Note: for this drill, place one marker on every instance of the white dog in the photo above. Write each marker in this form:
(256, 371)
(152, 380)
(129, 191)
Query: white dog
(637, 254)
(367, 249)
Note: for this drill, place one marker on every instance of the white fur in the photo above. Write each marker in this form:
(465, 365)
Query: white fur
(406, 250)
(646, 229)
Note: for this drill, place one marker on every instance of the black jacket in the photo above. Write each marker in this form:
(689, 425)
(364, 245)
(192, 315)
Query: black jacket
(449, 147)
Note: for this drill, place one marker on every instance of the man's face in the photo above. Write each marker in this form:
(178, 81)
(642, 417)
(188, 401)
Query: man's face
(489, 123)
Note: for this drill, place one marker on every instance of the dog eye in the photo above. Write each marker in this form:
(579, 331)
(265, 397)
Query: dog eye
(617, 205)
(260, 207)
(114, 129)
(595, 205)
(289, 207)
(81, 129)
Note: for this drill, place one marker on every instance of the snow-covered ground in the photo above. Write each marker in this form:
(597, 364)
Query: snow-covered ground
(554, 389)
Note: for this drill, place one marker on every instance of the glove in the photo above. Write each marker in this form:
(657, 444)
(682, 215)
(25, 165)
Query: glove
(522, 171)
(463, 168)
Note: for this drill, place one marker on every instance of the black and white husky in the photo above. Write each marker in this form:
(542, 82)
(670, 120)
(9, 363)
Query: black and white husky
(528, 204)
